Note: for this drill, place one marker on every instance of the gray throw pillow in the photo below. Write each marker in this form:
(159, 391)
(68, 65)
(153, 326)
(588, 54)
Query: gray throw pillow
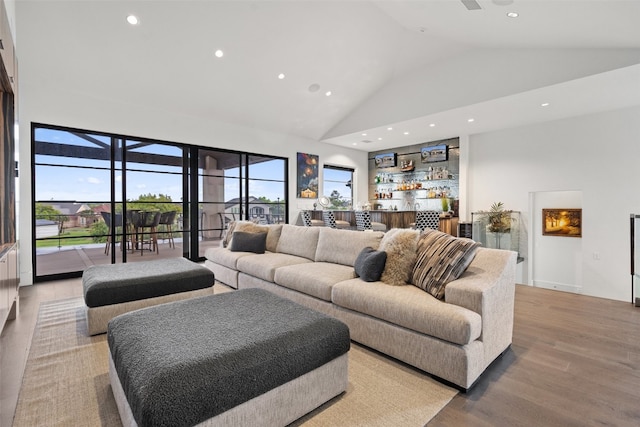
(370, 264)
(243, 241)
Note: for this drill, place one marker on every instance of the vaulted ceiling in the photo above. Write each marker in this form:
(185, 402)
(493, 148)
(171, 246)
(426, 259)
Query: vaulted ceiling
(401, 72)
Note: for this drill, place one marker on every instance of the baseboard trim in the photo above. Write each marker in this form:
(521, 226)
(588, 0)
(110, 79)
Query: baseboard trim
(558, 286)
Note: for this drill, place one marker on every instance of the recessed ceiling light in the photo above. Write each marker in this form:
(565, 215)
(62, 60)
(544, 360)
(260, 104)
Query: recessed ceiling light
(133, 20)
(328, 93)
(389, 128)
(432, 125)
(544, 104)
(379, 139)
(364, 134)
(354, 143)
(281, 76)
(471, 120)
(406, 133)
(219, 53)
(512, 14)
(314, 87)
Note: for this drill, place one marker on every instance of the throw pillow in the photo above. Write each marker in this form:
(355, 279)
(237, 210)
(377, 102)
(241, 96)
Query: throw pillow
(400, 244)
(369, 264)
(441, 259)
(228, 233)
(248, 242)
(247, 226)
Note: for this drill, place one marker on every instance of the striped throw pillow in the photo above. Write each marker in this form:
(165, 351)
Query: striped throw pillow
(442, 258)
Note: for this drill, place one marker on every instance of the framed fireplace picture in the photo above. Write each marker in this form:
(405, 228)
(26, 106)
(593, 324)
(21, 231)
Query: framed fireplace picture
(562, 222)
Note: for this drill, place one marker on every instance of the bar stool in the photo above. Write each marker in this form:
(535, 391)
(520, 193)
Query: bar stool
(363, 222)
(148, 220)
(167, 219)
(106, 216)
(307, 221)
(330, 220)
(426, 219)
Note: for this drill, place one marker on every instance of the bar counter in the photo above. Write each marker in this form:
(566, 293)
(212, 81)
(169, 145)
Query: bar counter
(392, 219)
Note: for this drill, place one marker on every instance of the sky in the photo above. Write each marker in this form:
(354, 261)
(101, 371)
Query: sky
(88, 180)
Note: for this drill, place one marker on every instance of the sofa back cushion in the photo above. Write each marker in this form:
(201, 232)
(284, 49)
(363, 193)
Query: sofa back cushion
(273, 236)
(299, 241)
(343, 246)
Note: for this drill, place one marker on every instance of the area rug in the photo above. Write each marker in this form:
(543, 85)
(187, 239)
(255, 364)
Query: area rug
(66, 382)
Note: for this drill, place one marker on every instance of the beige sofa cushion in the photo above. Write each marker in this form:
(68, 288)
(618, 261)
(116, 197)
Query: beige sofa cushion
(225, 257)
(273, 237)
(410, 307)
(343, 246)
(264, 266)
(314, 279)
(299, 241)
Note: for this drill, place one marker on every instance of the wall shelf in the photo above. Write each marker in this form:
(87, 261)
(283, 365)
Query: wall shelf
(427, 183)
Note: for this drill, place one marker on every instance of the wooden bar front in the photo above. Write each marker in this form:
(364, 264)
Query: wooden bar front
(393, 219)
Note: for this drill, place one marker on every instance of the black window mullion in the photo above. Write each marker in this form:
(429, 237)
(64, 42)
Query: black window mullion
(190, 190)
(112, 203)
(123, 151)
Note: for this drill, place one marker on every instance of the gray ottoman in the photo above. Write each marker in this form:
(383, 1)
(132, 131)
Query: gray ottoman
(110, 290)
(242, 358)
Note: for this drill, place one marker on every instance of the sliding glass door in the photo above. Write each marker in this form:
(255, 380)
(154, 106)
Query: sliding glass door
(101, 198)
(72, 187)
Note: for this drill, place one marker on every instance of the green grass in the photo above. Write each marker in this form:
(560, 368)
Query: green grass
(69, 237)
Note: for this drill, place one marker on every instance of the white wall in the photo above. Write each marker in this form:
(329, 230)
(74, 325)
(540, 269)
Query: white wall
(598, 155)
(555, 262)
(42, 102)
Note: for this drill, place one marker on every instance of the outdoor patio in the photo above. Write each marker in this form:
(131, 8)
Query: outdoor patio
(78, 258)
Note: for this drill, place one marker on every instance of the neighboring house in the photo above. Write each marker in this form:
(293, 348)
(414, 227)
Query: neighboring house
(257, 210)
(73, 213)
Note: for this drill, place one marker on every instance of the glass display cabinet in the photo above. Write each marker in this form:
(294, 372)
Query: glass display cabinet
(497, 230)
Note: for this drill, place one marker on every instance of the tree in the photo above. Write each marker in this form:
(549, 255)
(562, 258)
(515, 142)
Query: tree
(48, 212)
(152, 202)
(337, 201)
(99, 231)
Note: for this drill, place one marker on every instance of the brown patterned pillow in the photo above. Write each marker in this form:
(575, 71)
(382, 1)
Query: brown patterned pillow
(400, 245)
(442, 258)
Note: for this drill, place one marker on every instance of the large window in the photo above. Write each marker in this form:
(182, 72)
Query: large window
(337, 186)
(101, 198)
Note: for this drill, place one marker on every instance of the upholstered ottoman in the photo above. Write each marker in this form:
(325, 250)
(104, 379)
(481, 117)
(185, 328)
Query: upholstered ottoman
(242, 358)
(110, 290)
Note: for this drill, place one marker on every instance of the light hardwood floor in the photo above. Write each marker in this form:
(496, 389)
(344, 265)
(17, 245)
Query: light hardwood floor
(574, 361)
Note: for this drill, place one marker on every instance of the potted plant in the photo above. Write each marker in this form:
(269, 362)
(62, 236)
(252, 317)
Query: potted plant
(498, 225)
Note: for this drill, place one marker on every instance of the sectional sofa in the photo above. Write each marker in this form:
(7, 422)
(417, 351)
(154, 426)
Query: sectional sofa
(454, 335)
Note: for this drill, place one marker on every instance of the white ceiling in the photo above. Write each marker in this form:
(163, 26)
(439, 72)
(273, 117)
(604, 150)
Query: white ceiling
(359, 50)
